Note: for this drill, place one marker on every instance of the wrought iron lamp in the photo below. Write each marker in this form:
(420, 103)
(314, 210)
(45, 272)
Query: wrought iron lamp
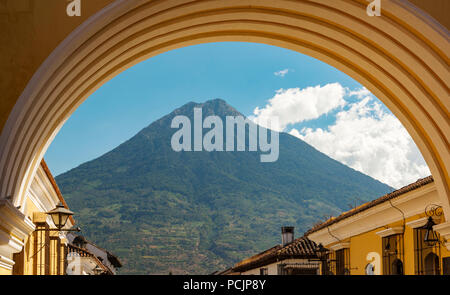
(430, 237)
(59, 216)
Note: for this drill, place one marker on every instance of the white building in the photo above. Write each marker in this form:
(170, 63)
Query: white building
(86, 258)
(292, 257)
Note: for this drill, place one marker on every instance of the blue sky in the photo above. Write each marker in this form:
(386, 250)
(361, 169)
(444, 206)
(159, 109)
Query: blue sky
(243, 74)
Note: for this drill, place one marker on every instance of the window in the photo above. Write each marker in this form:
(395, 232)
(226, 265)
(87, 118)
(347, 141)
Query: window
(446, 266)
(397, 267)
(432, 264)
(339, 262)
(264, 271)
(19, 263)
(326, 266)
(342, 262)
(426, 256)
(393, 255)
(299, 268)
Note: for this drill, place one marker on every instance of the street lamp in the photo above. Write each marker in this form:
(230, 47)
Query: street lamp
(59, 216)
(430, 236)
(322, 254)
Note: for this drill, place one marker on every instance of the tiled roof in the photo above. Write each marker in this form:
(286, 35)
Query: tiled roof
(415, 185)
(299, 248)
(113, 259)
(85, 253)
(55, 187)
(228, 271)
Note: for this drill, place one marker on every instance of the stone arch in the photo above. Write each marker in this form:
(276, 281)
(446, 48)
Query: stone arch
(400, 56)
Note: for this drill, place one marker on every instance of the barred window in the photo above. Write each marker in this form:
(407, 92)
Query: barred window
(343, 262)
(19, 263)
(446, 266)
(393, 258)
(338, 262)
(264, 271)
(426, 256)
(280, 270)
(298, 268)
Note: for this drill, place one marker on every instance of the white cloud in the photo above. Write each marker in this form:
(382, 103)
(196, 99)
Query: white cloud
(295, 105)
(281, 73)
(370, 140)
(364, 135)
(295, 133)
(360, 93)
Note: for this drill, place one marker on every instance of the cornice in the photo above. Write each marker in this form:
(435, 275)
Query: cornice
(41, 192)
(9, 244)
(15, 228)
(420, 222)
(14, 221)
(339, 246)
(390, 231)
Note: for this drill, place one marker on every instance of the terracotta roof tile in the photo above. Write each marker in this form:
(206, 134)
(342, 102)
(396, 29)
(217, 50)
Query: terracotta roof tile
(299, 248)
(415, 185)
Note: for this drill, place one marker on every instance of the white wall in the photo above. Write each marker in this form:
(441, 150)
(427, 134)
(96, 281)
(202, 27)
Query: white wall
(273, 267)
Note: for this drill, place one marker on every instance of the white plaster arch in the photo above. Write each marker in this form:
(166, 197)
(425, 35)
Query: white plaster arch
(400, 56)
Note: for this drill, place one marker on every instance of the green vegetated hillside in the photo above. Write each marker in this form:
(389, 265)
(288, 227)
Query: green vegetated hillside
(163, 211)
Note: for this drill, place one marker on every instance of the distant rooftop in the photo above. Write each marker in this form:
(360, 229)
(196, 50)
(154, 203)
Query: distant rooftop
(415, 185)
(299, 248)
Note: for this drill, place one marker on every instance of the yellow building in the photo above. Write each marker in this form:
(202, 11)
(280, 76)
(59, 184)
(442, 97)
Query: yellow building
(388, 235)
(25, 246)
(31, 244)
(397, 233)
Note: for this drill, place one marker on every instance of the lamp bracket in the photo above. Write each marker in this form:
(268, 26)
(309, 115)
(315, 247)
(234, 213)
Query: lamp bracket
(433, 210)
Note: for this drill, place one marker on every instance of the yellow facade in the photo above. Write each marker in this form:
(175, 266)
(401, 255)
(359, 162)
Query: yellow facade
(363, 242)
(4, 271)
(31, 248)
(368, 242)
(44, 253)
